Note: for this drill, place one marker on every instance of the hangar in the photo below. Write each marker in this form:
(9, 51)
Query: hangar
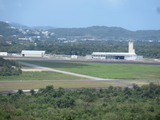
(131, 55)
(3, 53)
(32, 53)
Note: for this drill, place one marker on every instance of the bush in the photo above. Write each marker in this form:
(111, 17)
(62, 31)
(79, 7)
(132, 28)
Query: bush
(9, 67)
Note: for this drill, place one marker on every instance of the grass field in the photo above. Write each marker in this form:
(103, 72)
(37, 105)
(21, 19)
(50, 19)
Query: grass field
(130, 72)
(142, 82)
(44, 75)
(26, 67)
(106, 70)
(37, 85)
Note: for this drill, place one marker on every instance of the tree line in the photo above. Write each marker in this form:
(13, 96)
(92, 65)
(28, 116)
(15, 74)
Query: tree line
(83, 104)
(146, 49)
(9, 67)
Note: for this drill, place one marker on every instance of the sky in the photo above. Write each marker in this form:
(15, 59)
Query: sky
(129, 14)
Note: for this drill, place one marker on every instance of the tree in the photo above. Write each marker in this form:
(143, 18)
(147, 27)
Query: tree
(32, 91)
(20, 92)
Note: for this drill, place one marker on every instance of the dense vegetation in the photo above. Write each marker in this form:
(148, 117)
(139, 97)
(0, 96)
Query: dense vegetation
(139, 103)
(146, 49)
(9, 67)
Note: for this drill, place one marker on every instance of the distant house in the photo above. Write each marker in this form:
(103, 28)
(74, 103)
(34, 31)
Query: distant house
(23, 39)
(32, 53)
(3, 53)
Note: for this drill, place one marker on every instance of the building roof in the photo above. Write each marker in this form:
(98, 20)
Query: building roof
(32, 51)
(112, 53)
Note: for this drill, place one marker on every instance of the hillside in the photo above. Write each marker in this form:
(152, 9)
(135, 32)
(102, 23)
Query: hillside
(6, 30)
(20, 26)
(108, 33)
(94, 32)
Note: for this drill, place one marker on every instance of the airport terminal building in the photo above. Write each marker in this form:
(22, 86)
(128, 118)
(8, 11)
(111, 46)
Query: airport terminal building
(131, 55)
(32, 53)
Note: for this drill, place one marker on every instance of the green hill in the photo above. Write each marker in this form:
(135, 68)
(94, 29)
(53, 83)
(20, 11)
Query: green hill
(6, 30)
(108, 33)
(94, 32)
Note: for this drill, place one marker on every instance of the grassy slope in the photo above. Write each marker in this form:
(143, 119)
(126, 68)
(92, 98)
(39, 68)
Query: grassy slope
(105, 70)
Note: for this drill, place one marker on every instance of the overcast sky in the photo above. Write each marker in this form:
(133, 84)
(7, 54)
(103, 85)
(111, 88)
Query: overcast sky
(129, 14)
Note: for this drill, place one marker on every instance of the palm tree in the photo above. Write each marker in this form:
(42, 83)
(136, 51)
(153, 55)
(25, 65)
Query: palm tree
(20, 92)
(32, 91)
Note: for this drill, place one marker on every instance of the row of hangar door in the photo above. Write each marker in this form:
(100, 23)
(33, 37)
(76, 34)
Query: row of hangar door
(109, 57)
(115, 57)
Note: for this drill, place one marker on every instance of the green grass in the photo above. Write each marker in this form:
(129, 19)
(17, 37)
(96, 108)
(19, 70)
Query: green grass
(44, 75)
(26, 67)
(142, 82)
(37, 85)
(105, 70)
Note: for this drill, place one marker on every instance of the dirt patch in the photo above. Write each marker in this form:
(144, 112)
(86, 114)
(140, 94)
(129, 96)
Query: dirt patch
(150, 75)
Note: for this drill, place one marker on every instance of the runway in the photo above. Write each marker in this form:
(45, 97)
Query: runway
(75, 74)
(82, 60)
(64, 72)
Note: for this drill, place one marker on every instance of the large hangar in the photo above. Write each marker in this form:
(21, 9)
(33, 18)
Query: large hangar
(3, 53)
(32, 53)
(131, 55)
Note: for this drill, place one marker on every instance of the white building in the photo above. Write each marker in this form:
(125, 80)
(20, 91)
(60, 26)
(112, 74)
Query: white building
(3, 53)
(74, 56)
(131, 55)
(32, 53)
(88, 57)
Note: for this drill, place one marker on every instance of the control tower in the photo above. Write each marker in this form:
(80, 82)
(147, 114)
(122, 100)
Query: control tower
(130, 48)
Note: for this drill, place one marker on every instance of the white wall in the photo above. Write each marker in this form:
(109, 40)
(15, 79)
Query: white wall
(3, 53)
(27, 53)
(130, 57)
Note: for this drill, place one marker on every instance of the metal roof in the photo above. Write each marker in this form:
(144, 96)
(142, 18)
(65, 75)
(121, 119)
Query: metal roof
(32, 51)
(112, 53)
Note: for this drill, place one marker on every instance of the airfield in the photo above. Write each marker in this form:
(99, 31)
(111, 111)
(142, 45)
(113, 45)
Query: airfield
(84, 60)
(124, 83)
